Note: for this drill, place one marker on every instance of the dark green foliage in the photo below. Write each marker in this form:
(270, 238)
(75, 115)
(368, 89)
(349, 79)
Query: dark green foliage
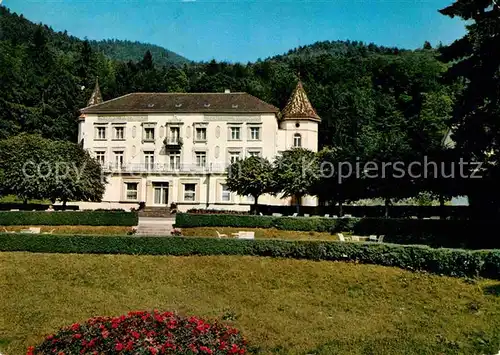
(33, 167)
(474, 61)
(470, 234)
(184, 220)
(295, 173)
(461, 263)
(251, 176)
(66, 218)
(134, 51)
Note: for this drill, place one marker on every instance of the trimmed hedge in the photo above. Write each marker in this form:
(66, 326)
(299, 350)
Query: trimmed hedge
(451, 262)
(68, 218)
(457, 212)
(465, 234)
(7, 206)
(186, 220)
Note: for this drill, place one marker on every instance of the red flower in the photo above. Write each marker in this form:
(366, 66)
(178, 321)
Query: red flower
(222, 345)
(193, 348)
(135, 334)
(234, 349)
(144, 332)
(205, 349)
(130, 345)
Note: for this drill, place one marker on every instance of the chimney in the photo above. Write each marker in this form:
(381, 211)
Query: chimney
(227, 91)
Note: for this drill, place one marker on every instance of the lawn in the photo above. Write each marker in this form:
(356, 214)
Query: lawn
(260, 233)
(282, 306)
(74, 230)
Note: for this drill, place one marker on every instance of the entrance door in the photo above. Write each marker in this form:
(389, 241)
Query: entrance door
(160, 193)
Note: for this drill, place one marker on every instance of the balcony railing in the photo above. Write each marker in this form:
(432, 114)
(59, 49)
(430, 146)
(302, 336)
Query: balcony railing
(173, 141)
(165, 168)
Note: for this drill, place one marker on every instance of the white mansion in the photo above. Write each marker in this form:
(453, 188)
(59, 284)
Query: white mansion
(175, 147)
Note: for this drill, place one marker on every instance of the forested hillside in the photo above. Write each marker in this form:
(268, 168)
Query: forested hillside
(134, 51)
(370, 98)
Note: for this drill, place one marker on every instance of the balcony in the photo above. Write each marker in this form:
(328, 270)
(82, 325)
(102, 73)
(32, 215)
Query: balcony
(158, 168)
(173, 142)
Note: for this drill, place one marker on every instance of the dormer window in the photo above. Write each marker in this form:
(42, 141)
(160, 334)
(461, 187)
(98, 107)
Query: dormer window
(151, 105)
(207, 105)
(235, 106)
(178, 105)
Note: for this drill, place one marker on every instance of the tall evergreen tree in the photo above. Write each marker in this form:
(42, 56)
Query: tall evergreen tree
(475, 61)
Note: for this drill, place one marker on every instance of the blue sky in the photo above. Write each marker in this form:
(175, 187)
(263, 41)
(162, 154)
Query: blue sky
(244, 30)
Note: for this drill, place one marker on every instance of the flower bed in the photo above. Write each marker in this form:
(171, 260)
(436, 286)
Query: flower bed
(144, 333)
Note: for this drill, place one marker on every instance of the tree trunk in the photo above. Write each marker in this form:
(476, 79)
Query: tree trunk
(64, 205)
(341, 209)
(387, 204)
(441, 206)
(297, 203)
(255, 204)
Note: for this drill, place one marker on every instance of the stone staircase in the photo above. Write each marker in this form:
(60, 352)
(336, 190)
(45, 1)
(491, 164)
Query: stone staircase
(156, 212)
(155, 226)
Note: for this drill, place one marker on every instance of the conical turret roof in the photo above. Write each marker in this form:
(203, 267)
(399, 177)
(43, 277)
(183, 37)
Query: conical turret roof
(299, 106)
(96, 97)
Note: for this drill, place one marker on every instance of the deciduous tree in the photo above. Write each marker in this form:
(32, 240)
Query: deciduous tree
(250, 176)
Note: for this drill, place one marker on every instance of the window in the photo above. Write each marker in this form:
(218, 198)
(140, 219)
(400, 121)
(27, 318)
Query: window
(149, 160)
(131, 190)
(226, 194)
(119, 132)
(174, 160)
(149, 134)
(101, 133)
(201, 134)
(173, 136)
(253, 153)
(201, 159)
(101, 157)
(235, 133)
(234, 157)
(119, 159)
(297, 140)
(255, 133)
(189, 192)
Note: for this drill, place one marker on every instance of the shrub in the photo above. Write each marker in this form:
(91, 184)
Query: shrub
(452, 262)
(81, 218)
(469, 234)
(208, 211)
(144, 333)
(34, 206)
(222, 220)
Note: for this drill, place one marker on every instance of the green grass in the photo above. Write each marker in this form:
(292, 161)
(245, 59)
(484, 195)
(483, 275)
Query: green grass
(15, 199)
(260, 233)
(282, 306)
(72, 230)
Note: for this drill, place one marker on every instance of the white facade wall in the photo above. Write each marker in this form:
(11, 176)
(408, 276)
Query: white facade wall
(158, 182)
